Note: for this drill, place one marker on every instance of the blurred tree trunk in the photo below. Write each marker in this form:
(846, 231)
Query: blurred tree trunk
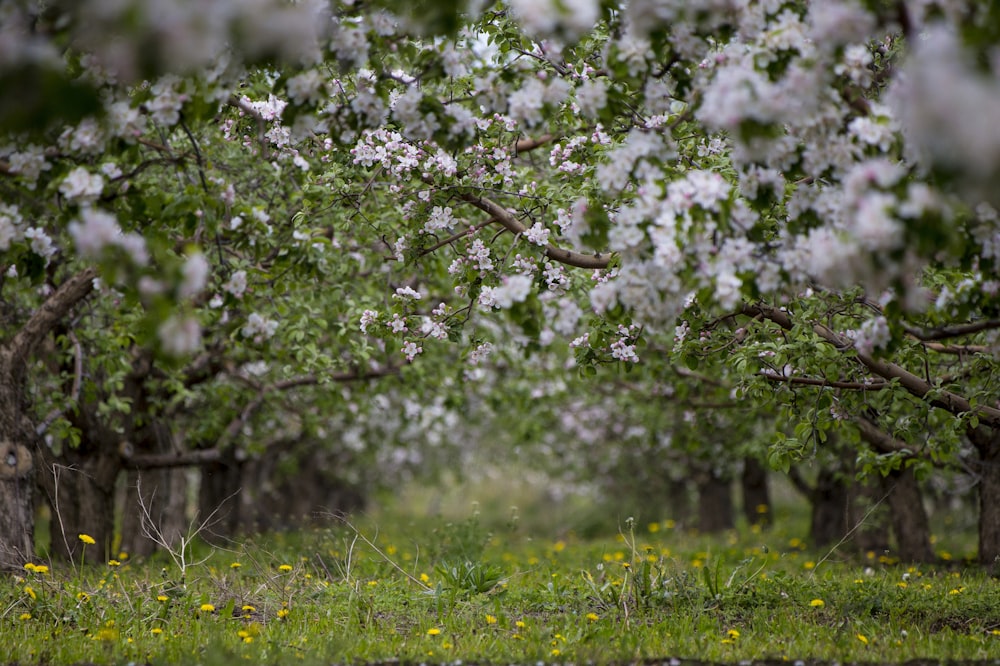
(987, 442)
(756, 494)
(908, 517)
(715, 504)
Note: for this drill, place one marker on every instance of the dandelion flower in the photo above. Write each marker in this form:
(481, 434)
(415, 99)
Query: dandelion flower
(732, 633)
(207, 608)
(162, 597)
(424, 578)
(156, 631)
(285, 567)
(30, 592)
(114, 563)
(817, 603)
(283, 613)
(24, 616)
(29, 566)
(863, 638)
(41, 569)
(491, 619)
(87, 539)
(593, 617)
(248, 609)
(433, 631)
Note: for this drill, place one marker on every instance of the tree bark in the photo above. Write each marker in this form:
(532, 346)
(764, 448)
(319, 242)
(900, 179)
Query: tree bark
(20, 445)
(987, 442)
(715, 504)
(756, 495)
(908, 516)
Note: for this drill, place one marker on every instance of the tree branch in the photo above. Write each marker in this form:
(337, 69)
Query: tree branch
(945, 332)
(512, 224)
(938, 397)
(770, 375)
(51, 312)
(164, 460)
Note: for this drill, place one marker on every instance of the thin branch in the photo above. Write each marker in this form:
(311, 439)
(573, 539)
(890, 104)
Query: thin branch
(831, 383)
(948, 400)
(526, 144)
(512, 224)
(945, 332)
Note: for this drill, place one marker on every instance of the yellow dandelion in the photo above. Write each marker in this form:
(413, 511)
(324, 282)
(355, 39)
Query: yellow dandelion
(520, 624)
(372, 583)
(87, 539)
(41, 569)
(285, 567)
(283, 613)
(114, 563)
(491, 619)
(235, 565)
(82, 596)
(433, 631)
(555, 652)
(123, 555)
(817, 603)
(732, 633)
(248, 609)
(863, 638)
(29, 566)
(30, 592)
(24, 616)
(156, 631)
(162, 597)
(593, 617)
(207, 608)
(424, 578)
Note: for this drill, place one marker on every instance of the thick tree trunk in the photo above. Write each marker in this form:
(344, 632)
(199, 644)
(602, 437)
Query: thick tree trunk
(218, 496)
(82, 502)
(715, 504)
(830, 498)
(756, 497)
(987, 442)
(155, 501)
(17, 505)
(910, 525)
(19, 443)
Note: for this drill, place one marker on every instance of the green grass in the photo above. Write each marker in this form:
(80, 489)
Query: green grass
(440, 589)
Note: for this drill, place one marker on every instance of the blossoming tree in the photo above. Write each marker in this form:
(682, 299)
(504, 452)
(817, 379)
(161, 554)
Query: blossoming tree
(798, 194)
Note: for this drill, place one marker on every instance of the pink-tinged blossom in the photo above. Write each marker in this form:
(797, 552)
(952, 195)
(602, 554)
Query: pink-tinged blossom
(397, 324)
(487, 298)
(592, 97)
(433, 329)
(874, 334)
(411, 349)
(180, 335)
(368, 317)
(407, 293)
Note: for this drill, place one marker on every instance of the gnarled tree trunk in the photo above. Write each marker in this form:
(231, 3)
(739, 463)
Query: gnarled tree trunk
(19, 443)
(987, 442)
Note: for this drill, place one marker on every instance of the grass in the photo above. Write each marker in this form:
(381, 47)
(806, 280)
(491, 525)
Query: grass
(415, 589)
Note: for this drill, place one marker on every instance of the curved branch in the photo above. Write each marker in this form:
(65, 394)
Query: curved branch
(50, 313)
(948, 400)
(512, 224)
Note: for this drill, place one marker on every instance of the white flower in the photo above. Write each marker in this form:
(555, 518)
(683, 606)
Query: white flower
(411, 349)
(237, 284)
(259, 328)
(515, 289)
(180, 335)
(81, 185)
(591, 97)
(368, 317)
(194, 275)
(93, 232)
(538, 234)
(41, 244)
(407, 293)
